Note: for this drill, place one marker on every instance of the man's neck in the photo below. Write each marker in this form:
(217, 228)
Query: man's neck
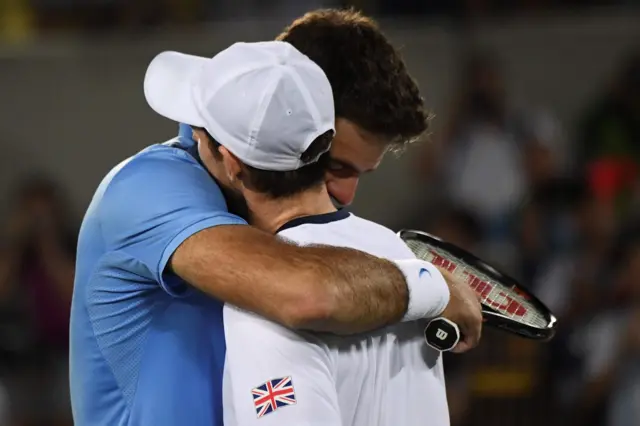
(271, 214)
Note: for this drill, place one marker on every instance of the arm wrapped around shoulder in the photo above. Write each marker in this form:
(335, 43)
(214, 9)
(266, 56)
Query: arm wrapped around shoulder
(320, 288)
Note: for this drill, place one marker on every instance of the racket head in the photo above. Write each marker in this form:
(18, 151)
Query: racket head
(506, 304)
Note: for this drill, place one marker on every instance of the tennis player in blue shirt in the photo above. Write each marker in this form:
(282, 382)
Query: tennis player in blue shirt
(158, 251)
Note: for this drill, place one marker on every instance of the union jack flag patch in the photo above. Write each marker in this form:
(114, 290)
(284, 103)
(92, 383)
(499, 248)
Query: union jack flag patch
(273, 394)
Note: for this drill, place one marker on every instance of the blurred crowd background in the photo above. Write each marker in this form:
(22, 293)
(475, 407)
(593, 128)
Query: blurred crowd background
(533, 163)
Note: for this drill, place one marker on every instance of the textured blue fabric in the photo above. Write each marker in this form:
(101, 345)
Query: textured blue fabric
(146, 349)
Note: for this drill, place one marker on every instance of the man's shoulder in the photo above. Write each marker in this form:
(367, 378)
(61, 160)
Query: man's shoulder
(369, 230)
(155, 163)
(176, 150)
(354, 232)
(387, 240)
(371, 226)
(154, 185)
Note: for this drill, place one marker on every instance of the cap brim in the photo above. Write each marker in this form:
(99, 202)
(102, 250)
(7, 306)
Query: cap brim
(168, 86)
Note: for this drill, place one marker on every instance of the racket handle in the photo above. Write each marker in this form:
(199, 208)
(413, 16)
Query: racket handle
(442, 334)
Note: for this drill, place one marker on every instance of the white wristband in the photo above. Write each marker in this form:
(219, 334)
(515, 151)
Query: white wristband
(428, 290)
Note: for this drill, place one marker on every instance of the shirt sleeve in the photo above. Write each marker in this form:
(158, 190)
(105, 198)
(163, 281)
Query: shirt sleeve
(274, 376)
(156, 201)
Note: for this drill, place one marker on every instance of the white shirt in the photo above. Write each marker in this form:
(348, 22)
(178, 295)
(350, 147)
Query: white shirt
(386, 378)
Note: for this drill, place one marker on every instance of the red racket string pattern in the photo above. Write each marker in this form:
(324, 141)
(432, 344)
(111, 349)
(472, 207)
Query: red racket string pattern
(506, 304)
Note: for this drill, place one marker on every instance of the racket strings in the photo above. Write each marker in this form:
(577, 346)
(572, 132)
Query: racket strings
(499, 297)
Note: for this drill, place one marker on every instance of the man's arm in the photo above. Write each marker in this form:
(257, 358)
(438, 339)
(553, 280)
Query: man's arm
(321, 288)
(165, 211)
(265, 360)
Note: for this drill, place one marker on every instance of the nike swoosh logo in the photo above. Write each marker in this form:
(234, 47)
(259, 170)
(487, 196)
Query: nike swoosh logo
(423, 271)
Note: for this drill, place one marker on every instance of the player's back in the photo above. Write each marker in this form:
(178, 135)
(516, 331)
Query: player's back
(389, 377)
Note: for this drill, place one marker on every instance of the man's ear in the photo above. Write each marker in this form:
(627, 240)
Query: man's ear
(232, 165)
(198, 135)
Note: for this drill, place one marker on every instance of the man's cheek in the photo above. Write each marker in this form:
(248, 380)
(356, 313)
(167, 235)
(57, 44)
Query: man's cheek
(342, 190)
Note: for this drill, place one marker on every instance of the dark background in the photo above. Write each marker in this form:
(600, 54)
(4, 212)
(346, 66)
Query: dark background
(532, 163)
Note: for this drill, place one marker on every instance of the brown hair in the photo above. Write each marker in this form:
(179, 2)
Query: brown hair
(371, 84)
(285, 184)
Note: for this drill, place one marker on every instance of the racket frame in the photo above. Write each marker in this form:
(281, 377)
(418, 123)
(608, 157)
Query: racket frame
(491, 316)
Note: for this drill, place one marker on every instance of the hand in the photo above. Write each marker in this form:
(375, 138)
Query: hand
(465, 310)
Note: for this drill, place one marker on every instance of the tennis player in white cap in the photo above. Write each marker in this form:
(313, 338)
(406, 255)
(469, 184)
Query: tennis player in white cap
(268, 155)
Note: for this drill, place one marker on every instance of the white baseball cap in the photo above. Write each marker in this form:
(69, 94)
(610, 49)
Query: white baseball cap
(265, 102)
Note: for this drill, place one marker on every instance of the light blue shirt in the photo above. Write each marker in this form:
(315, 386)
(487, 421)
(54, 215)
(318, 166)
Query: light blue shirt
(146, 349)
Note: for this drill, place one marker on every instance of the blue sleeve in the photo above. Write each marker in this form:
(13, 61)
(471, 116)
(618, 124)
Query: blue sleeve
(156, 201)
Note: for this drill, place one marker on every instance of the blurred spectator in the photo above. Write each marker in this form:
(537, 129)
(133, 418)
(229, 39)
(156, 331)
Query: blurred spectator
(479, 134)
(458, 227)
(493, 153)
(565, 235)
(566, 242)
(609, 387)
(609, 138)
(36, 281)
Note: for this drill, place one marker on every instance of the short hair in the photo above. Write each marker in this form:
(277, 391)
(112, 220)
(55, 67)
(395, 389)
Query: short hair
(279, 184)
(371, 84)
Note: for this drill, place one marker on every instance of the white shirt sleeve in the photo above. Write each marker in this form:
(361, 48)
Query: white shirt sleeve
(275, 376)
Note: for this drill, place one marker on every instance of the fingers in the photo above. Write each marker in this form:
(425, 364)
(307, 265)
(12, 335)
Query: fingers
(474, 340)
(471, 333)
(464, 309)
(466, 343)
(461, 347)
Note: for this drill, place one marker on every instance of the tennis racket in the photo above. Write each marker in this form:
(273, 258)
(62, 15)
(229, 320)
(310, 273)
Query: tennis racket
(506, 304)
